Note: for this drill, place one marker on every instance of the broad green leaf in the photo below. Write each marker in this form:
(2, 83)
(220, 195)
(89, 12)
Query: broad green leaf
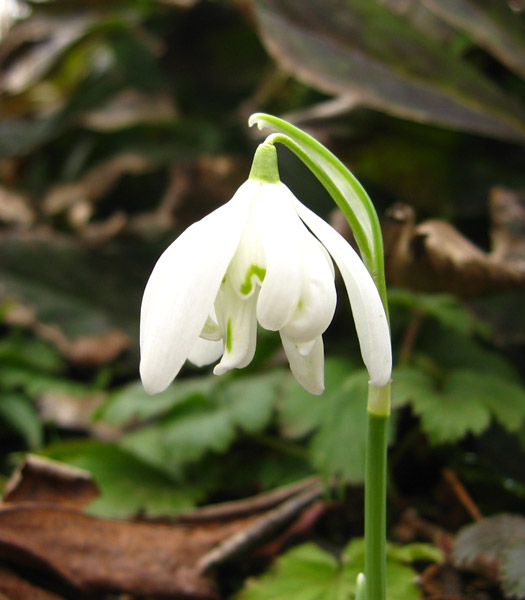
(460, 401)
(409, 383)
(453, 350)
(304, 573)
(339, 446)
(22, 350)
(400, 578)
(200, 427)
(491, 24)
(250, 400)
(19, 413)
(128, 485)
(206, 416)
(446, 309)
(310, 573)
(299, 412)
(366, 53)
(414, 552)
(34, 366)
(449, 415)
(354, 551)
(504, 399)
(336, 422)
(283, 468)
(83, 291)
(35, 383)
(147, 443)
(132, 402)
(401, 582)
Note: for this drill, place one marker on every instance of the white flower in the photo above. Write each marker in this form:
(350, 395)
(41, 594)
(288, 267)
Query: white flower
(255, 260)
(10, 11)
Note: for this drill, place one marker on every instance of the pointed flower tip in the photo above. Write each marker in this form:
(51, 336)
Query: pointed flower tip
(153, 381)
(152, 388)
(255, 119)
(381, 380)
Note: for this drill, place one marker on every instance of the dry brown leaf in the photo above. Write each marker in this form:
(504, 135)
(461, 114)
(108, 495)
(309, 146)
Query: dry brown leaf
(75, 412)
(434, 257)
(130, 107)
(85, 351)
(94, 184)
(96, 555)
(15, 208)
(35, 45)
(14, 587)
(507, 212)
(92, 351)
(40, 479)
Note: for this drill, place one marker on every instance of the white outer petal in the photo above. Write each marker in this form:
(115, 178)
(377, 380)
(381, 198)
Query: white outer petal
(309, 369)
(205, 352)
(182, 288)
(277, 225)
(367, 308)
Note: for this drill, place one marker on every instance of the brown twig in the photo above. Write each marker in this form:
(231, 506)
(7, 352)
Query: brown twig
(239, 508)
(463, 496)
(410, 337)
(262, 528)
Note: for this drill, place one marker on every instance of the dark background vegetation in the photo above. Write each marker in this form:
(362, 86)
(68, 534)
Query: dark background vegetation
(121, 123)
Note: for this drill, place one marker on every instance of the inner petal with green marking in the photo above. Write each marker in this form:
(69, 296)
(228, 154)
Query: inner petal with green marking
(254, 272)
(238, 321)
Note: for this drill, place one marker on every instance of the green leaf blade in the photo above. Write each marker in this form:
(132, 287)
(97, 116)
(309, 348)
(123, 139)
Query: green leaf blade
(118, 473)
(21, 415)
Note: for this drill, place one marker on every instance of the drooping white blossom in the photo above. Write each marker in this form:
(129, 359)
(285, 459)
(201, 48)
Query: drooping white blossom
(11, 11)
(265, 258)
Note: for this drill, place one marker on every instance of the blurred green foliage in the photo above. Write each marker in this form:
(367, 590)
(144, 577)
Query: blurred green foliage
(311, 572)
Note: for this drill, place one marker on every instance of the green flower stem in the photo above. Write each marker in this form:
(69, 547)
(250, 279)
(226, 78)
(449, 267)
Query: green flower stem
(375, 492)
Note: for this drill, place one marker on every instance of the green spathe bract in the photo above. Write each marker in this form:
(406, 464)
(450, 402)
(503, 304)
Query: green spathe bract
(345, 189)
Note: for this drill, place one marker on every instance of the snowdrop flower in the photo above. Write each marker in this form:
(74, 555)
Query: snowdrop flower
(11, 11)
(265, 258)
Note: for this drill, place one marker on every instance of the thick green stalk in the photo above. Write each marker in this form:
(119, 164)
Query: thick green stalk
(375, 492)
